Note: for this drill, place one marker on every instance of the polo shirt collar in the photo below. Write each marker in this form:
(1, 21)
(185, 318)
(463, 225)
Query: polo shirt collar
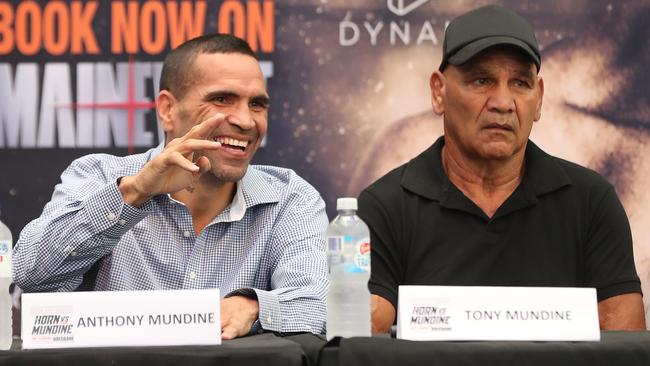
(425, 176)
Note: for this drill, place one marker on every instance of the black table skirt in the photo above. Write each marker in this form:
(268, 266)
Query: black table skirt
(264, 349)
(615, 348)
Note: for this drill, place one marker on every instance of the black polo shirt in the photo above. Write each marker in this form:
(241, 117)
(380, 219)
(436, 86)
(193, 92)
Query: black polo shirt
(562, 226)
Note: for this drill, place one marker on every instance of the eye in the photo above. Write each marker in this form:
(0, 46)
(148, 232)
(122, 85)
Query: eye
(522, 84)
(258, 105)
(481, 81)
(221, 99)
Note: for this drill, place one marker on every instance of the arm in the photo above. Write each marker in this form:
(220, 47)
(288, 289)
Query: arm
(610, 266)
(385, 265)
(622, 312)
(295, 300)
(383, 314)
(89, 213)
(82, 223)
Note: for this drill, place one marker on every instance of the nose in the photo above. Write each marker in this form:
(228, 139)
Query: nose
(501, 100)
(241, 118)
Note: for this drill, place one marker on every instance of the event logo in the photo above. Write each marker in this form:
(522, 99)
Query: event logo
(425, 317)
(83, 96)
(400, 8)
(399, 31)
(52, 324)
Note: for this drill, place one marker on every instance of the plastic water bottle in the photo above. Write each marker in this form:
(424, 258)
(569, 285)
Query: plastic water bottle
(348, 300)
(6, 329)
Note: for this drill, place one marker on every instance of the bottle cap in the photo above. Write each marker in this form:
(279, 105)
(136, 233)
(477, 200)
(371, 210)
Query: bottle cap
(346, 203)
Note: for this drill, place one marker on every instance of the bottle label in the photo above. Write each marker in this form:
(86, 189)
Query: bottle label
(334, 244)
(5, 258)
(334, 251)
(362, 255)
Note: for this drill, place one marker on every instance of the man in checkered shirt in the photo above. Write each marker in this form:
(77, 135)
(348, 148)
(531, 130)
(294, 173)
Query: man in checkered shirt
(192, 214)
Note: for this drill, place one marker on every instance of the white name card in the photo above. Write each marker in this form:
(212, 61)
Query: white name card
(121, 318)
(427, 313)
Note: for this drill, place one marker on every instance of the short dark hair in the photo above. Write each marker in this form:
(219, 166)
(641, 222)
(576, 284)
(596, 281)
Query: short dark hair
(177, 68)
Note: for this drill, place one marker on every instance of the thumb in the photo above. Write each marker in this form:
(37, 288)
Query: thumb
(204, 164)
(228, 332)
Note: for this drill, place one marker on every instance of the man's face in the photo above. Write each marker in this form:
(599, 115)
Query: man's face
(490, 104)
(231, 84)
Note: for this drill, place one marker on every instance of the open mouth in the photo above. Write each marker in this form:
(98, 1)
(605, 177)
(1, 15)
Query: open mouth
(230, 143)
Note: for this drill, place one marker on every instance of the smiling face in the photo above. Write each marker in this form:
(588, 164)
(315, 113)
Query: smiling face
(489, 104)
(231, 84)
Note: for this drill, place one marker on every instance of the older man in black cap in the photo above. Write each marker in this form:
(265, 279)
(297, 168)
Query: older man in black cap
(484, 205)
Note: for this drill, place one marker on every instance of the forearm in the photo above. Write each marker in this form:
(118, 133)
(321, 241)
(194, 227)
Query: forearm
(295, 300)
(58, 262)
(622, 312)
(54, 251)
(382, 314)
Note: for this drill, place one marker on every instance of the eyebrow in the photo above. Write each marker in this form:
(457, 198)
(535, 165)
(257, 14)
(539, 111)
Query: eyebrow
(470, 72)
(261, 98)
(525, 73)
(221, 93)
(476, 71)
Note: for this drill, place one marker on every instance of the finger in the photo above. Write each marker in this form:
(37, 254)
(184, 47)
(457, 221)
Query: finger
(192, 145)
(228, 332)
(205, 128)
(203, 163)
(180, 161)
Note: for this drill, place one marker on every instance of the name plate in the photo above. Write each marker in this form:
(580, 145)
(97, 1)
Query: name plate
(121, 318)
(431, 313)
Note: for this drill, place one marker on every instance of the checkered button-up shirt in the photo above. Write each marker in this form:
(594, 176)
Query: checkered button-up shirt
(269, 239)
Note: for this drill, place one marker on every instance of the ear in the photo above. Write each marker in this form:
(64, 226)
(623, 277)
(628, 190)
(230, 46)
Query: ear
(538, 110)
(165, 106)
(437, 85)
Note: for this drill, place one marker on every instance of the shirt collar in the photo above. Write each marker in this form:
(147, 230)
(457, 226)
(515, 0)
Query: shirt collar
(156, 150)
(252, 190)
(425, 176)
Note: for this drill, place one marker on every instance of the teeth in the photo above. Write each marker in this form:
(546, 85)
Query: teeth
(231, 141)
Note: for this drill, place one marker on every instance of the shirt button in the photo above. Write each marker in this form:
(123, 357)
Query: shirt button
(122, 222)
(73, 254)
(187, 234)
(269, 320)
(192, 275)
(111, 216)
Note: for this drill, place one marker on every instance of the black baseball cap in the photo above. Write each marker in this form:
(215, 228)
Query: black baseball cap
(487, 26)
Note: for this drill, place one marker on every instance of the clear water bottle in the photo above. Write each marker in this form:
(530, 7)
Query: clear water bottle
(6, 329)
(348, 299)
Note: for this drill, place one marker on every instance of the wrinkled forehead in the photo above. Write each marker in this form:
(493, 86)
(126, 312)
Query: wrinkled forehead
(501, 56)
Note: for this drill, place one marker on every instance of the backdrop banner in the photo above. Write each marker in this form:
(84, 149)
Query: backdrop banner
(348, 79)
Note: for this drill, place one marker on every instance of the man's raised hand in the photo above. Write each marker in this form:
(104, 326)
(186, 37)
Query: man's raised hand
(177, 167)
